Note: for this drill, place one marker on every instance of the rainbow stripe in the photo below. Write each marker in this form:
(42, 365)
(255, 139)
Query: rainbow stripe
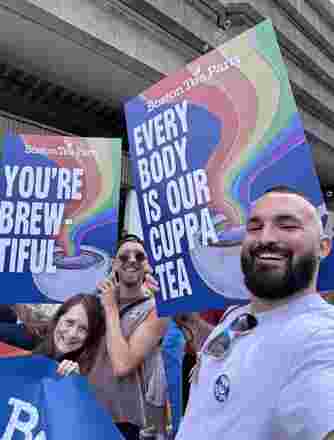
(259, 119)
(101, 180)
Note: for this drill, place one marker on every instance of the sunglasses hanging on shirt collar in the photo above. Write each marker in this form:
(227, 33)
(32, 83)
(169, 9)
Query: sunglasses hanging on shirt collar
(221, 344)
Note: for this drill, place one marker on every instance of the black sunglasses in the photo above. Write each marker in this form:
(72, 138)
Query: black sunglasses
(222, 342)
(140, 257)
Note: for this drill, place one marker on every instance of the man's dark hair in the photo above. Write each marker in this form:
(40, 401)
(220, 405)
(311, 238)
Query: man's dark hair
(129, 238)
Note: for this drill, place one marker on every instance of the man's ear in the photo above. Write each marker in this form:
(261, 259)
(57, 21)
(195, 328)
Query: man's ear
(325, 247)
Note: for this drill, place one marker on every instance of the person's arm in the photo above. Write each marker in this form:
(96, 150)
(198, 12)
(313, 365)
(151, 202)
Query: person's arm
(23, 312)
(198, 327)
(16, 334)
(127, 354)
(36, 328)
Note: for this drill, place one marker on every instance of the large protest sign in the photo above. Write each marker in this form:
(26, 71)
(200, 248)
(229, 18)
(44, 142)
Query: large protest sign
(38, 404)
(205, 143)
(58, 215)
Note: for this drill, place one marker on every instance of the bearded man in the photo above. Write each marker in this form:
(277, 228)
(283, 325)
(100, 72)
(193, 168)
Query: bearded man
(266, 372)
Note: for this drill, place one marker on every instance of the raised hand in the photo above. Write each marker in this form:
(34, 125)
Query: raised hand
(109, 289)
(67, 367)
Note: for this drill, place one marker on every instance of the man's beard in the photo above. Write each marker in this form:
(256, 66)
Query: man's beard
(275, 284)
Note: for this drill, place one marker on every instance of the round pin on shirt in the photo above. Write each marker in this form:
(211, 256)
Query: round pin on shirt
(222, 388)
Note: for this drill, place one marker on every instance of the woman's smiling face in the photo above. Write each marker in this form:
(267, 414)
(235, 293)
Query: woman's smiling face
(71, 331)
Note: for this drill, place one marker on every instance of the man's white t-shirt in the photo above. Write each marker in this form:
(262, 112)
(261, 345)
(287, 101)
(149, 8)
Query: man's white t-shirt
(276, 383)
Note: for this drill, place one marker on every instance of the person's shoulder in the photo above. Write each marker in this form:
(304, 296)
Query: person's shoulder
(318, 316)
(313, 327)
(146, 311)
(148, 307)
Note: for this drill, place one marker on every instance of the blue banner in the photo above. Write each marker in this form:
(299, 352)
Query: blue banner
(59, 200)
(38, 404)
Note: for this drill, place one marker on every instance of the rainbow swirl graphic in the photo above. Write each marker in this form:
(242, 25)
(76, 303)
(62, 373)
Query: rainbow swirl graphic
(100, 191)
(258, 111)
(82, 255)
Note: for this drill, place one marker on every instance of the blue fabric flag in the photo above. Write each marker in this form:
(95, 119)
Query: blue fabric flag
(38, 404)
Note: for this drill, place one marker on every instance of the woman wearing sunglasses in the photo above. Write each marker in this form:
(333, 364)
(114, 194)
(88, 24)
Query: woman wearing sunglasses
(128, 374)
